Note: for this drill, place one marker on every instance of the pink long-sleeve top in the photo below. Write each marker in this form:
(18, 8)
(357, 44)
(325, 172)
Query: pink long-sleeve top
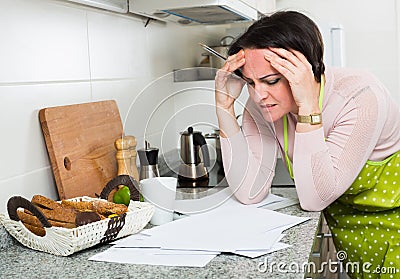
(360, 122)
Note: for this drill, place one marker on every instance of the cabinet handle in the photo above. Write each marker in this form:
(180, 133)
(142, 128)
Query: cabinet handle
(318, 244)
(324, 235)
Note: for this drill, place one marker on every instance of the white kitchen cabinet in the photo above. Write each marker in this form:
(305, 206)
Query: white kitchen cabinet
(119, 6)
(262, 6)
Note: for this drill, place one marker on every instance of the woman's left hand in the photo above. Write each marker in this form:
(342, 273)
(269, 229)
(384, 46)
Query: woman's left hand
(294, 66)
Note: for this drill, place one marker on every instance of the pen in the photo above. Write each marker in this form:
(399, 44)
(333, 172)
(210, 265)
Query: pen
(210, 50)
(238, 72)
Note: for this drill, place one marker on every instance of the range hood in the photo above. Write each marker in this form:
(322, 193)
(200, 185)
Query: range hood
(201, 11)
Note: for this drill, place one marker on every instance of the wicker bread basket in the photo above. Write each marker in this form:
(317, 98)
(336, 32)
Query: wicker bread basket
(62, 241)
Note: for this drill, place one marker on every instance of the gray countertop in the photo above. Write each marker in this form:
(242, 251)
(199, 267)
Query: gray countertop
(17, 261)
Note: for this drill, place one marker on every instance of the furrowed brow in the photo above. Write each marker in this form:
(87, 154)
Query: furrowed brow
(270, 75)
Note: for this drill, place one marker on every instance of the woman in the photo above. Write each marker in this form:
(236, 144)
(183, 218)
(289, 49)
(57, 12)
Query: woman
(338, 131)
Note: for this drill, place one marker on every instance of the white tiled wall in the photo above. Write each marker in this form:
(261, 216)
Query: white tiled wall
(53, 53)
(371, 33)
(42, 41)
(194, 105)
(117, 47)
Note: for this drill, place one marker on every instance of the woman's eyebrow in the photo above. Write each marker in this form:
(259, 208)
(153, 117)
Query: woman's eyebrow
(270, 75)
(261, 78)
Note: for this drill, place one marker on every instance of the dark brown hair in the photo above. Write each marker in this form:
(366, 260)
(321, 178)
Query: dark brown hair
(288, 30)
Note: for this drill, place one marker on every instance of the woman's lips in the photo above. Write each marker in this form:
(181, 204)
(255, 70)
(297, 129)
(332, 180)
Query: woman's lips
(267, 106)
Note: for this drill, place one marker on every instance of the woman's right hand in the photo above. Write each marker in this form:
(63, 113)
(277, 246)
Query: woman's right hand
(227, 86)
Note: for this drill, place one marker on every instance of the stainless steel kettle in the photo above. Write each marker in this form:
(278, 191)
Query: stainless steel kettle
(194, 155)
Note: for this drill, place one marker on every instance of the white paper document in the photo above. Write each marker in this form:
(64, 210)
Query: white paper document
(195, 240)
(257, 253)
(260, 241)
(225, 230)
(154, 256)
(219, 200)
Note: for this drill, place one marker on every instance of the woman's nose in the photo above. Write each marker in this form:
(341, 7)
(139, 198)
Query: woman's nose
(260, 92)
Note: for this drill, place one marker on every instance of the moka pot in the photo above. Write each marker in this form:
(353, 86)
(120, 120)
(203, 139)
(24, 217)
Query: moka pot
(194, 156)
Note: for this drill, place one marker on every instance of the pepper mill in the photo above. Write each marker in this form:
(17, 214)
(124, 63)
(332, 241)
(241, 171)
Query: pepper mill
(131, 140)
(126, 156)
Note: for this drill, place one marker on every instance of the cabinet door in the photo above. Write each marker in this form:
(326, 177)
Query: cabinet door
(323, 252)
(119, 6)
(262, 6)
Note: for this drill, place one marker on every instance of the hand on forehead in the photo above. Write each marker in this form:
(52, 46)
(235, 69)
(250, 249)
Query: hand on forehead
(256, 65)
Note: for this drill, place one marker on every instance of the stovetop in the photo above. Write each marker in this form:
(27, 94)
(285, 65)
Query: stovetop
(216, 178)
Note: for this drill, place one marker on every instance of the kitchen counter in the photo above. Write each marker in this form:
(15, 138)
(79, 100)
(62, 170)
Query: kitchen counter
(17, 261)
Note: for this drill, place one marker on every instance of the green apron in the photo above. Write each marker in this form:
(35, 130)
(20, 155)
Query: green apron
(365, 220)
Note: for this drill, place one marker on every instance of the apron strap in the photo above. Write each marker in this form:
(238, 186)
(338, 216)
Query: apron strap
(285, 129)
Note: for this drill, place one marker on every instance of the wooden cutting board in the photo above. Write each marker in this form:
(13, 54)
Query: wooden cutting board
(80, 143)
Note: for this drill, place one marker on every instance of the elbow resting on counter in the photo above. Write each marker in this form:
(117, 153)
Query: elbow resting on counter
(247, 201)
(307, 205)
(245, 198)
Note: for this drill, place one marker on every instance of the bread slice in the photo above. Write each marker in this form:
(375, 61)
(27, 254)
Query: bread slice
(36, 230)
(102, 207)
(65, 215)
(44, 202)
(28, 218)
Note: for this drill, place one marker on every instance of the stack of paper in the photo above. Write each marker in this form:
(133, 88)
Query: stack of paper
(155, 256)
(222, 199)
(196, 240)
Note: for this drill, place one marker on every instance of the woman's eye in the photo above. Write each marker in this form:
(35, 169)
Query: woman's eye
(274, 81)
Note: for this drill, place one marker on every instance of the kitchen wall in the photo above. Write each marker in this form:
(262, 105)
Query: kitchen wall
(371, 31)
(53, 53)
